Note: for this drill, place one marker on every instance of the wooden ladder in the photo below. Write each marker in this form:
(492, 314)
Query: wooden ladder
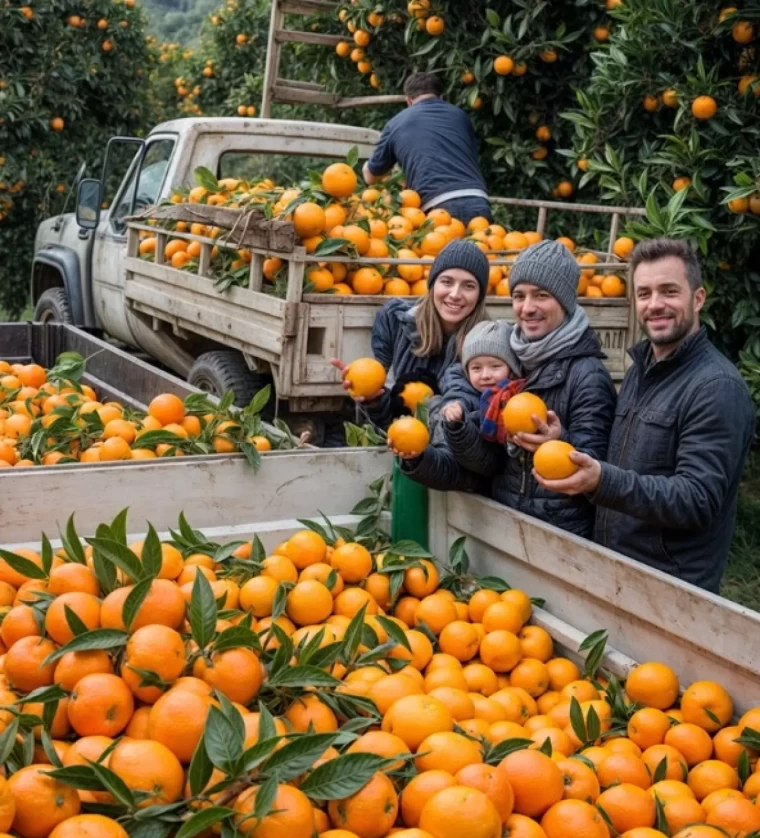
(289, 91)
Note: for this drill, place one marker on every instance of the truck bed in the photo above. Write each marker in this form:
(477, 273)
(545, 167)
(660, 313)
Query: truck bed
(648, 615)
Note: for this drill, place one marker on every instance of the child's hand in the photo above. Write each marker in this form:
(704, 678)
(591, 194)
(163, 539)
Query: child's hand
(551, 429)
(453, 412)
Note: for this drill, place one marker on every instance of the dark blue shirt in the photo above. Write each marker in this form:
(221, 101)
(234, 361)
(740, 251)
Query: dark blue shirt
(435, 145)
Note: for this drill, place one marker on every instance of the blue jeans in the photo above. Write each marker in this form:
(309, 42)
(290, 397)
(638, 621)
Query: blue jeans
(465, 209)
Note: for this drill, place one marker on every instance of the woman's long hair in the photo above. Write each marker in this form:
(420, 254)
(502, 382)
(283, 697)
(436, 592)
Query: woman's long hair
(432, 336)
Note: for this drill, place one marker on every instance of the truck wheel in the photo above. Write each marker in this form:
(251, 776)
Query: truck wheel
(53, 307)
(223, 370)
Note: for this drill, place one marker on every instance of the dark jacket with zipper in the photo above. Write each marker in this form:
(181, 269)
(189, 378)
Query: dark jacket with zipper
(578, 388)
(437, 467)
(669, 489)
(394, 337)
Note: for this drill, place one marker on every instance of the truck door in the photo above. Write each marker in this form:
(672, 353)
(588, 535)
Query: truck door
(140, 188)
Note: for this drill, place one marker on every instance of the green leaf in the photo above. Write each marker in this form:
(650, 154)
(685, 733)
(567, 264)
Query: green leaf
(205, 177)
(104, 570)
(118, 526)
(343, 776)
(134, 601)
(119, 555)
(330, 246)
(114, 784)
(267, 729)
(46, 554)
(458, 558)
(78, 777)
(507, 747)
(74, 621)
(744, 768)
(352, 637)
(299, 755)
(22, 565)
(265, 797)
(202, 612)
(410, 549)
(577, 721)
(71, 542)
(493, 18)
(237, 637)
(352, 158)
(593, 725)
(201, 821)
(200, 770)
(303, 676)
(151, 554)
(280, 600)
(223, 744)
(258, 753)
(95, 639)
(661, 822)
(8, 739)
(661, 772)
(395, 631)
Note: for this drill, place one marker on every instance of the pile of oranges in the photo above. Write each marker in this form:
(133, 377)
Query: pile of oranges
(330, 689)
(336, 218)
(46, 420)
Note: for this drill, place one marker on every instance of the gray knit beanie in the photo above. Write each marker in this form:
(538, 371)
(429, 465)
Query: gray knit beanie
(490, 337)
(551, 266)
(461, 254)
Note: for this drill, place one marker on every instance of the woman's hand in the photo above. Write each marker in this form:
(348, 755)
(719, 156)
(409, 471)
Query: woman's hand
(410, 456)
(453, 412)
(551, 429)
(343, 367)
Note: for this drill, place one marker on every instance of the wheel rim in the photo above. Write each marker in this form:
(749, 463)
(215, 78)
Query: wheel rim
(207, 385)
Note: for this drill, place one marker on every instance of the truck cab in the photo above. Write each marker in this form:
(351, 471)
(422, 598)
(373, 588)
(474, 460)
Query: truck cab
(78, 273)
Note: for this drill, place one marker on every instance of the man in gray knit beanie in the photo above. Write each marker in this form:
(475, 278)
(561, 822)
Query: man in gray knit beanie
(548, 265)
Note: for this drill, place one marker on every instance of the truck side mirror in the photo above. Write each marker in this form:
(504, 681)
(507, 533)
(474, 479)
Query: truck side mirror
(88, 203)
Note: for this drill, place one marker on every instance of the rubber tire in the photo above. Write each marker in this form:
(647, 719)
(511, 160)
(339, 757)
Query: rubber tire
(224, 369)
(53, 307)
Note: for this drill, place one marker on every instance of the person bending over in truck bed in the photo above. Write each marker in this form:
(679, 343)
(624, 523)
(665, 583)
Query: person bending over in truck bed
(560, 354)
(489, 365)
(416, 339)
(667, 493)
(435, 145)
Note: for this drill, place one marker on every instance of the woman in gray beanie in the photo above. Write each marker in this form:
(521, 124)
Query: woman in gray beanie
(562, 360)
(416, 339)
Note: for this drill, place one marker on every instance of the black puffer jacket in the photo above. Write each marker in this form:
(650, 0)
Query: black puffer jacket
(578, 388)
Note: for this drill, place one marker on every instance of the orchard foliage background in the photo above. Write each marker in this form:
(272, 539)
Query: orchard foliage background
(591, 100)
(72, 74)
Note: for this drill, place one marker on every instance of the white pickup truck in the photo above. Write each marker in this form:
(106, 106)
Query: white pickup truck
(87, 270)
(79, 271)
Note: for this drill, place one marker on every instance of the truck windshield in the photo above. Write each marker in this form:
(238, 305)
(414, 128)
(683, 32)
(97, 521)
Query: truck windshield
(147, 181)
(283, 169)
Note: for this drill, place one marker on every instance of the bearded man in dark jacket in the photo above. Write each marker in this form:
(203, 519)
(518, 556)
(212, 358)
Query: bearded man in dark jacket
(561, 358)
(667, 493)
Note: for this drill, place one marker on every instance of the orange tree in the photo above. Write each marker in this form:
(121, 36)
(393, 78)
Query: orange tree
(72, 73)
(512, 68)
(672, 113)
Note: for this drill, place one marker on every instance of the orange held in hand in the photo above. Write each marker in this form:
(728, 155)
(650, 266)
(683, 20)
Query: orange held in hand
(552, 460)
(414, 393)
(519, 410)
(365, 377)
(408, 435)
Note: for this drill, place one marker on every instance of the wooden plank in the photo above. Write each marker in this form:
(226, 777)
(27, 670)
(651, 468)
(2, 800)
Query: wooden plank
(245, 225)
(212, 492)
(296, 36)
(272, 64)
(238, 320)
(562, 205)
(648, 614)
(307, 7)
(283, 93)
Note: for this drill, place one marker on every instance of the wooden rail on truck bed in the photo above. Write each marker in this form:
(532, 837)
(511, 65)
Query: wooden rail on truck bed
(649, 615)
(295, 337)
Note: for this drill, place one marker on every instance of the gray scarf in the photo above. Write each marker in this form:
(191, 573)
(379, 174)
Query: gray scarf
(533, 354)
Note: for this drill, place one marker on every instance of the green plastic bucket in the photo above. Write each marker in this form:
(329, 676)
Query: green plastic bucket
(409, 509)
